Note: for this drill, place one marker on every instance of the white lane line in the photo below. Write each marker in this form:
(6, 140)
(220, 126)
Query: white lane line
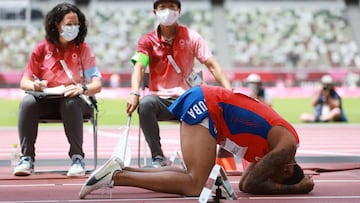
(232, 182)
(29, 185)
(164, 140)
(35, 201)
(167, 199)
(302, 197)
(320, 181)
(321, 152)
(337, 181)
(307, 197)
(41, 185)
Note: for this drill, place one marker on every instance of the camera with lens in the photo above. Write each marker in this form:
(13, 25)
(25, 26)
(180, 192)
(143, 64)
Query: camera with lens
(329, 88)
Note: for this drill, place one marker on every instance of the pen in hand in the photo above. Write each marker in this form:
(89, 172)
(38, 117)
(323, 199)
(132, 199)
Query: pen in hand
(39, 84)
(36, 78)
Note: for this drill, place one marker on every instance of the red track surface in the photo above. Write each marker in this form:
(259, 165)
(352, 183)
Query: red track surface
(331, 144)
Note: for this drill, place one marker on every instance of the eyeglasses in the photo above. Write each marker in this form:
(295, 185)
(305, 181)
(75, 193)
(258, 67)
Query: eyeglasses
(70, 24)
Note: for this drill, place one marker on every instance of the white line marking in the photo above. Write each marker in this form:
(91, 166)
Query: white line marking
(167, 199)
(188, 198)
(319, 152)
(116, 135)
(302, 197)
(232, 182)
(30, 185)
(337, 181)
(319, 181)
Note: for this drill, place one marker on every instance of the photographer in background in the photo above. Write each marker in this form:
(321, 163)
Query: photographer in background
(257, 90)
(327, 104)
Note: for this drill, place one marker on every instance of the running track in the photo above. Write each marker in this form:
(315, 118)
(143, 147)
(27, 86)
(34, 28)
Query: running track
(327, 147)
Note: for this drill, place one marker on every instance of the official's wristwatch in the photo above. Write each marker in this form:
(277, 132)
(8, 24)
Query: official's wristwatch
(135, 93)
(86, 90)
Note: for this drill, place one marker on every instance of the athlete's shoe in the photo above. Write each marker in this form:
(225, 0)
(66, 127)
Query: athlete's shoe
(102, 177)
(25, 167)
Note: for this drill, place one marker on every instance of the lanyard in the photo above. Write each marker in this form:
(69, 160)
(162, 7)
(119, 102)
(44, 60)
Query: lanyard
(67, 71)
(174, 65)
(82, 96)
(193, 79)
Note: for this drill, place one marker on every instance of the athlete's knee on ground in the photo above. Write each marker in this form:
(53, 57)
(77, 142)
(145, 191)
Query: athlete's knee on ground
(193, 190)
(195, 186)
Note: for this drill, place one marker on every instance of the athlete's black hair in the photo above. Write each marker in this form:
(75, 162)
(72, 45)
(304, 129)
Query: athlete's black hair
(297, 176)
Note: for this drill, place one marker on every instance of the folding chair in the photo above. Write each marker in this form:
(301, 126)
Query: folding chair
(92, 118)
(143, 88)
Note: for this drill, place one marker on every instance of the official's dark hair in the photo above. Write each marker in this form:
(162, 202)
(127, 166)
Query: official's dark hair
(297, 176)
(56, 15)
(156, 2)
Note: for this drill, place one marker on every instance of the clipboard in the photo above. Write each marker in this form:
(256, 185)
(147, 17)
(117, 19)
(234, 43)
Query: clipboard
(44, 95)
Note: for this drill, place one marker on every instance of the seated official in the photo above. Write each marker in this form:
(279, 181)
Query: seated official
(62, 60)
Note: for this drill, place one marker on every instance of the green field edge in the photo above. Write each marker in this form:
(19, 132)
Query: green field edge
(112, 112)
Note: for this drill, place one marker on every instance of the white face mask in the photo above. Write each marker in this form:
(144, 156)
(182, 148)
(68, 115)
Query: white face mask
(70, 32)
(167, 16)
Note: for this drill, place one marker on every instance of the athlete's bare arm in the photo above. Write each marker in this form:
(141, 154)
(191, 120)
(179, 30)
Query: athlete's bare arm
(259, 178)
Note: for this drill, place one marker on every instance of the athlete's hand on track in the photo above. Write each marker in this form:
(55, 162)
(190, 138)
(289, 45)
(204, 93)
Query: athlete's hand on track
(306, 184)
